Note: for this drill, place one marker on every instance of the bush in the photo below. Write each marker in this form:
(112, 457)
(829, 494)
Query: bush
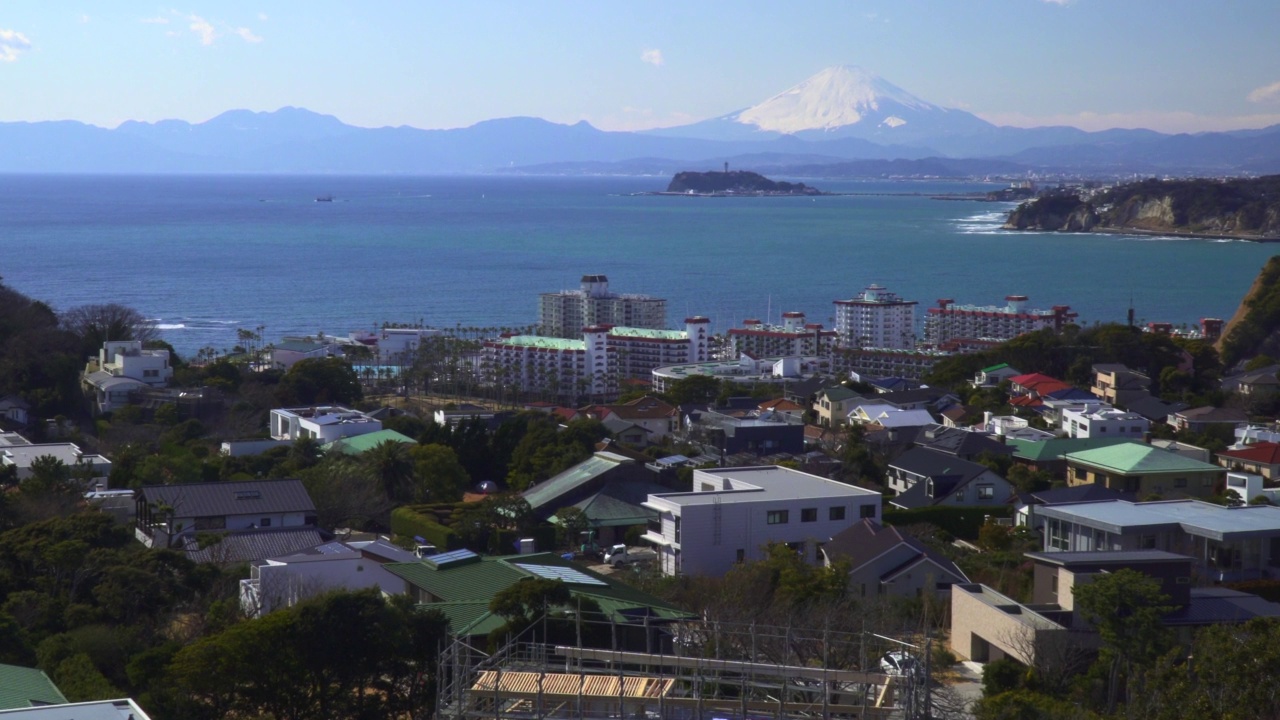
(409, 523)
(1002, 675)
(942, 658)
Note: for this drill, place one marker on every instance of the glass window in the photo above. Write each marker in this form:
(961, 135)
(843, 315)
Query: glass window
(836, 513)
(809, 515)
(777, 517)
(865, 511)
(986, 492)
(742, 555)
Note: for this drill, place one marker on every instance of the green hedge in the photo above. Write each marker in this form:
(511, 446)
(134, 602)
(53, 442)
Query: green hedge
(408, 522)
(961, 522)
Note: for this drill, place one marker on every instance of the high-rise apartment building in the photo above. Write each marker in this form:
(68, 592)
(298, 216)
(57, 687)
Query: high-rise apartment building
(876, 318)
(793, 337)
(565, 313)
(951, 323)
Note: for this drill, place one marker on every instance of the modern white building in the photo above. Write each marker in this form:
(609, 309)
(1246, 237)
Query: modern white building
(746, 370)
(323, 423)
(121, 368)
(395, 344)
(640, 350)
(20, 456)
(564, 368)
(563, 314)
(876, 318)
(733, 514)
(291, 351)
(1104, 422)
(952, 323)
(793, 337)
(281, 582)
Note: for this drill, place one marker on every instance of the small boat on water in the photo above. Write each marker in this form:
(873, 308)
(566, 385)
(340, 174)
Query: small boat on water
(325, 198)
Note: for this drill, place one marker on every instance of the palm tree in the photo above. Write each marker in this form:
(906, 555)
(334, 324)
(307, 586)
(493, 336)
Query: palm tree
(392, 466)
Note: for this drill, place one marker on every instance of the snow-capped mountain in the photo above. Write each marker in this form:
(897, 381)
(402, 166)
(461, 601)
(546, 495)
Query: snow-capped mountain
(840, 101)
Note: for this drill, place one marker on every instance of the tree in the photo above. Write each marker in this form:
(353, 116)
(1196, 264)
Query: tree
(319, 380)
(572, 522)
(96, 324)
(695, 389)
(390, 462)
(1126, 608)
(441, 478)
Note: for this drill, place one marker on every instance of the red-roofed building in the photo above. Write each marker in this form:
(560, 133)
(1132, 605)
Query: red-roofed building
(1035, 384)
(782, 406)
(793, 337)
(1260, 459)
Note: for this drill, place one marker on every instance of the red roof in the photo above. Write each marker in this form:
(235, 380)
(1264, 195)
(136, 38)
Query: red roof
(1265, 453)
(1031, 379)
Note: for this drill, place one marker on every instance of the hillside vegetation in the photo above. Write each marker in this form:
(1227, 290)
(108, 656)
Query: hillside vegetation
(1255, 328)
(1241, 207)
(737, 181)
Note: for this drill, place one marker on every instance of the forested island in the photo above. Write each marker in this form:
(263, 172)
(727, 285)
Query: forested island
(1241, 208)
(736, 182)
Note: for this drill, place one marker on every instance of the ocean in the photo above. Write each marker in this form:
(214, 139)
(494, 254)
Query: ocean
(205, 255)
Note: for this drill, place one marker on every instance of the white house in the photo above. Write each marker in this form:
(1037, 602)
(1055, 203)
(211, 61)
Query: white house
(21, 456)
(123, 367)
(165, 513)
(1012, 427)
(324, 423)
(14, 409)
(284, 581)
(1104, 422)
(990, 377)
(733, 514)
(292, 350)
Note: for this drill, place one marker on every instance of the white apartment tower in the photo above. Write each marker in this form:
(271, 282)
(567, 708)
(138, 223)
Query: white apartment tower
(793, 337)
(567, 369)
(950, 323)
(640, 350)
(876, 318)
(563, 314)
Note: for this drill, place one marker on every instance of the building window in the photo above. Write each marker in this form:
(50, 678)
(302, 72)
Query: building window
(986, 492)
(1053, 584)
(677, 522)
(1147, 542)
(809, 515)
(777, 517)
(836, 513)
(1079, 473)
(1207, 481)
(264, 522)
(741, 557)
(864, 511)
(1180, 482)
(655, 526)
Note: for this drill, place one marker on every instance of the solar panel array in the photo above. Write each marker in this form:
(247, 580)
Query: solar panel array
(453, 557)
(558, 572)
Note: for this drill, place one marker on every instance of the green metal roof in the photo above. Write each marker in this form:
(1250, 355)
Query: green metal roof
(649, 333)
(361, 443)
(994, 368)
(549, 343)
(603, 510)
(1046, 450)
(1132, 458)
(466, 590)
(838, 393)
(555, 487)
(22, 687)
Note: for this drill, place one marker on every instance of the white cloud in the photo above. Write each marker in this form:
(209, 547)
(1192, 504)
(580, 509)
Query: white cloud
(652, 56)
(203, 29)
(247, 35)
(158, 20)
(84, 19)
(12, 44)
(1166, 122)
(262, 17)
(1266, 93)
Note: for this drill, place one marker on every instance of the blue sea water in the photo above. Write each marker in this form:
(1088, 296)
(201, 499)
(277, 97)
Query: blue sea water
(204, 255)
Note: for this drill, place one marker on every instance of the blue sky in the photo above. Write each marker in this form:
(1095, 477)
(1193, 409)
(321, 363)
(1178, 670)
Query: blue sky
(1173, 65)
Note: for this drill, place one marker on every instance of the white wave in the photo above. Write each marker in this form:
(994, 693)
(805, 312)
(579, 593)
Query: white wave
(170, 326)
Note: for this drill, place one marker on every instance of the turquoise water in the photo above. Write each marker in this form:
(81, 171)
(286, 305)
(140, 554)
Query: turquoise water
(205, 255)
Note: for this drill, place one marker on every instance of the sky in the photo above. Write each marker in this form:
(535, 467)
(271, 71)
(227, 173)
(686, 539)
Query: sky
(1169, 65)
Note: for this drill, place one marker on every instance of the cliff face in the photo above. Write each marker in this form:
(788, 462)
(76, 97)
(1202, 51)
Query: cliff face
(1255, 327)
(1248, 208)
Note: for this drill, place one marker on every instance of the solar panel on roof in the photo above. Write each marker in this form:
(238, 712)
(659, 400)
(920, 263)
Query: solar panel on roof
(453, 557)
(558, 572)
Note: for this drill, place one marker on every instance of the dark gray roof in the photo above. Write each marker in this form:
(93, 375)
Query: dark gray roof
(959, 442)
(934, 464)
(1089, 492)
(242, 547)
(1221, 605)
(866, 540)
(231, 498)
(1107, 557)
(911, 397)
(1153, 408)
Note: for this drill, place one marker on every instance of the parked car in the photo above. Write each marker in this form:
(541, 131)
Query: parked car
(620, 555)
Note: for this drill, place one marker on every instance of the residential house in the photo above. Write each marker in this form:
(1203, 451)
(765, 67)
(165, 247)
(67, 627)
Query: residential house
(885, 561)
(1252, 434)
(167, 512)
(461, 584)
(1260, 458)
(923, 477)
(1050, 454)
(121, 709)
(23, 687)
(654, 418)
(1011, 427)
(21, 456)
(609, 488)
(1227, 544)
(1143, 469)
(1187, 450)
(291, 351)
(322, 423)
(986, 625)
(963, 444)
(887, 416)
(732, 514)
(1104, 422)
(14, 410)
(284, 581)
(1258, 385)
(1116, 384)
(1249, 487)
(729, 435)
(783, 406)
(1200, 419)
(990, 377)
(359, 444)
(1034, 385)
(1154, 409)
(834, 403)
(1025, 505)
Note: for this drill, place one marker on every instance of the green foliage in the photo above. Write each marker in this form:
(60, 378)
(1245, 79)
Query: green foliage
(1001, 676)
(572, 523)
(695, 389)
(391, 463)
(1028, 705)
(961, 522)
(441, 478)
(1257, 362)
(317, 381)
(1126, 608)
(995, 537)
(545, 450)
(408, 523)
(784, 576)
(1254, 334)
(80, 681)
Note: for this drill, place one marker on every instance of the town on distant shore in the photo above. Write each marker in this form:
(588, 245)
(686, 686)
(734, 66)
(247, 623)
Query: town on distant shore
(601, 512)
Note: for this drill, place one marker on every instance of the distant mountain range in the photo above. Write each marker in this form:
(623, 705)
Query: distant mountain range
(842, 122)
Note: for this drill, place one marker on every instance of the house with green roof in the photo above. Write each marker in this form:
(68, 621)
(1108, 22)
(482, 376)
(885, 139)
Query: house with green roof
(22, 687)
(834, 403)
(994, 375)
(461, 584)
(609, 488)
(1143, 469)
(1050, 455)
(362, 443)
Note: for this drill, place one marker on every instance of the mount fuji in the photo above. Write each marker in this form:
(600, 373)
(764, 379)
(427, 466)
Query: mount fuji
(839, 102)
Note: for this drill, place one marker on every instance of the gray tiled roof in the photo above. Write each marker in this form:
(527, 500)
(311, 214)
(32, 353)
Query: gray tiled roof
(241, 547)
(231, 498)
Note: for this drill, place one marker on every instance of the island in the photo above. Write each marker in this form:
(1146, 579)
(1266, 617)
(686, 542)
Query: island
(735, 183)
(1235, 208)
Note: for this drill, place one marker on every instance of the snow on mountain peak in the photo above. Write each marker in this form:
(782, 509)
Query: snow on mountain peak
(835, 97)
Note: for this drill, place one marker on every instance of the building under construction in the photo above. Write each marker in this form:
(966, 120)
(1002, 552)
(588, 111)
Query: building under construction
(692, 671)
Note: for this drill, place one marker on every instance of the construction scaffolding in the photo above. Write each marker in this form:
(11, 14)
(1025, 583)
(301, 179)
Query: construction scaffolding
(690, 671)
